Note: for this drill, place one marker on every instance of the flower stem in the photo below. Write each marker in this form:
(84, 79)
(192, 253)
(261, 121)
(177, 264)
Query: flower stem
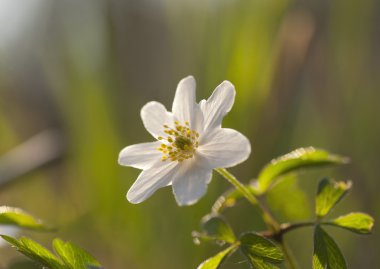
(267, 216)
(237, 184)
(289, 258)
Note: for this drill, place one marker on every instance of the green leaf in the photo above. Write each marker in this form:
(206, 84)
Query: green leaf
(73, 256)
(258, 246)
(260, 263)
(329, 194)
(215, 227)
(297, 159)
(356, 222)
(288, 201)
(215, 261)
(35, 252)
(326, 252)
(18, 217)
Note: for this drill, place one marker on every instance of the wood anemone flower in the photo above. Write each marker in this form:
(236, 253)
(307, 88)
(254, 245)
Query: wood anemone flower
(190, 144)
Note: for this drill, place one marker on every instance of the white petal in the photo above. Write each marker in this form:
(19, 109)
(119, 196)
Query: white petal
(197, 120)
(223, 148)
(141, 156)
(184, 100)
(8, 230)
(154, 115)
(190, 184)
(218, 105)
(158, 176)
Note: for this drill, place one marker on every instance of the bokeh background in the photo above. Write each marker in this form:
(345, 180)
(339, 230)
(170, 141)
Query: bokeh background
(74, 75)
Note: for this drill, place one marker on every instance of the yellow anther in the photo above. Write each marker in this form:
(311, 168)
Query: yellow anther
(180, 144)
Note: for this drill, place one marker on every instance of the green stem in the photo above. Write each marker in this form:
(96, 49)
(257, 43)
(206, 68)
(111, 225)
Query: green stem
(287, 227)
(289, 258)
(267, 216)
(237, 184)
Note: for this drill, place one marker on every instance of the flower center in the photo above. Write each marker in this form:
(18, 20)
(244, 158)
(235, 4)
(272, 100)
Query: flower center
(180, 144)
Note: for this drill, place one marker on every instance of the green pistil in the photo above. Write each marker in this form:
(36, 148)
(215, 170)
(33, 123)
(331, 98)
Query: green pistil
(183, 143)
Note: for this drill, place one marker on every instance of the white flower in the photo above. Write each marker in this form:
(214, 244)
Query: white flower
(190, 144)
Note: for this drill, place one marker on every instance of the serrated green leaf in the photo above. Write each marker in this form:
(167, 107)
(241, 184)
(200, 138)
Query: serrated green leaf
(73, 256)
(260, 263)
(329, 194)
(256, 245)
(288, 201)
(18, 217)
(215, 227)
(215, 261)
(356, 222)
(297, 159)
(35, 252)
(327, 254)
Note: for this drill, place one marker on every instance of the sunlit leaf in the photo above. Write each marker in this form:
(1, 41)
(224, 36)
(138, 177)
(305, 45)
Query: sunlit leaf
(73, 256)
(258, 246)
(297, 159)
(356, 222)
(18, 217)
(329, 194)
(215, 227)
(287, 200)
(327, 254)
(215, 261)
(35, 252)
(260, 263)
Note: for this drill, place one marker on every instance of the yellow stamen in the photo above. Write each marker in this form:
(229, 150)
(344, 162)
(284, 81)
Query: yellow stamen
(180, 144)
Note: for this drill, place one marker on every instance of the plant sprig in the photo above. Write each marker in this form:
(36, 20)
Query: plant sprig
(271, 241)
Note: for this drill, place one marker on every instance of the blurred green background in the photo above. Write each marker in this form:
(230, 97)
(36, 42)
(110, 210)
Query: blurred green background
(75, 74)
